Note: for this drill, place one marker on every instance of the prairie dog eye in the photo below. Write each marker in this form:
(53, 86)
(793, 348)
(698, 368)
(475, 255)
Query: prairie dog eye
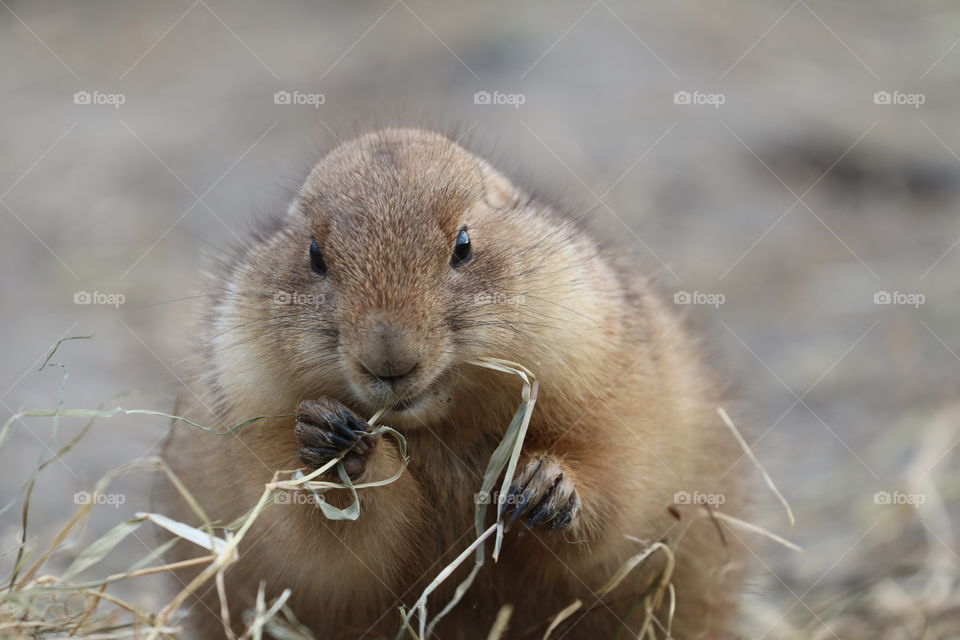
(316, 259)
(462, 251)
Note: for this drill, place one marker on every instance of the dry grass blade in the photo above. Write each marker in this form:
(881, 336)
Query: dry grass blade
(512, 440)
(502, 461)
(499, 627)
(260, 617)
(186, 532)
(421, 604)
(749, 526)
(763, 472)
(635, 560)
(651, 599)
(558, 619)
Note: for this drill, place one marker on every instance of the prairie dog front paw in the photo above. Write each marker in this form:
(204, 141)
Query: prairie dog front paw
(543, 494)
(325, 429)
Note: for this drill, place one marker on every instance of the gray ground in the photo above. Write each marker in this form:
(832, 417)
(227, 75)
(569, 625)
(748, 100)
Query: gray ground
(797, 199)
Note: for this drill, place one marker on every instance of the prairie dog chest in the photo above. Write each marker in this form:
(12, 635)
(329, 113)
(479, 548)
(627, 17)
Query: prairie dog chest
(450, 476)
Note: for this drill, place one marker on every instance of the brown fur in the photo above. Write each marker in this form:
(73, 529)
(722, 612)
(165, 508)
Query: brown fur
(625, 407)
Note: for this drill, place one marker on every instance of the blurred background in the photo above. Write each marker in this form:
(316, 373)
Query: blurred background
(789, 171)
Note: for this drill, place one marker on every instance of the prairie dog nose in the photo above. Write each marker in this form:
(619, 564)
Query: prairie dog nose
(389, 352)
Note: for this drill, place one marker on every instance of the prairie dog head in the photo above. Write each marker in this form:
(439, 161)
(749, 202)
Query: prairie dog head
(395, 264)
(402, 258)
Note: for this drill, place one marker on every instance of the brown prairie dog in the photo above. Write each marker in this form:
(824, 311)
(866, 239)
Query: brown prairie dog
(403, 258)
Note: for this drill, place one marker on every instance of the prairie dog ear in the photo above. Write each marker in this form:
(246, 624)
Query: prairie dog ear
(499, 192)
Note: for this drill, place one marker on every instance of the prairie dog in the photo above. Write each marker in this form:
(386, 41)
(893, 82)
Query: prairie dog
(402, 258)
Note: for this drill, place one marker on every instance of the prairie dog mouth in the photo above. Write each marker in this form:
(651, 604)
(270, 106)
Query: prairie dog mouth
(418, 406)
(425, 398)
